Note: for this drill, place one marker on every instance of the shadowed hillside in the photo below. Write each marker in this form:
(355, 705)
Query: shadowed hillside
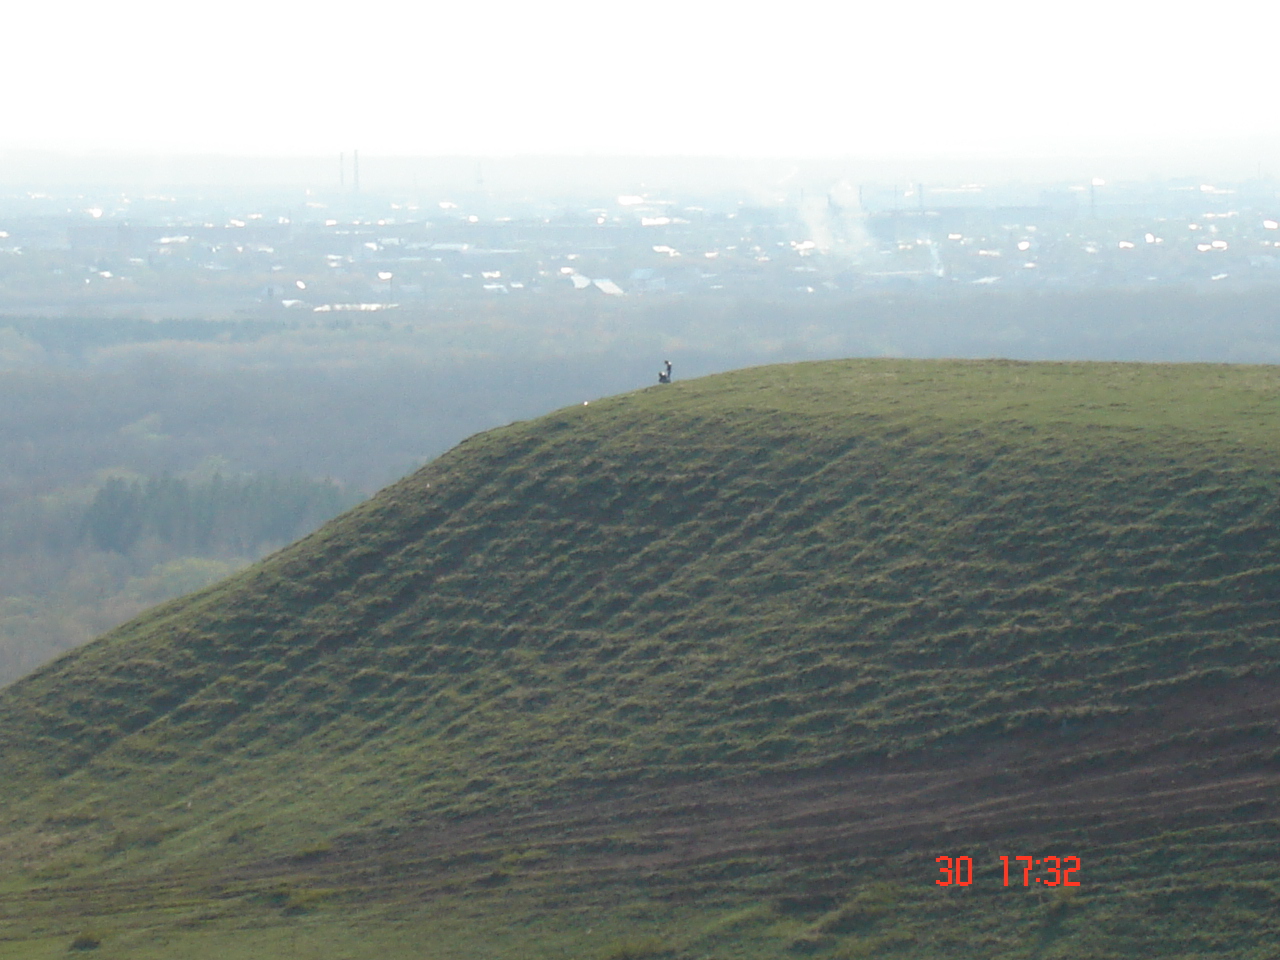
(714, 669)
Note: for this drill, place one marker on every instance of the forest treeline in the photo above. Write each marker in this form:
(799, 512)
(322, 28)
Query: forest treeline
(76, 562)
(235, 516)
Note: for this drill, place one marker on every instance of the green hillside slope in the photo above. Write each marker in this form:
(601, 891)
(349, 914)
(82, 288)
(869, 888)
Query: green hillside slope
(713, 669)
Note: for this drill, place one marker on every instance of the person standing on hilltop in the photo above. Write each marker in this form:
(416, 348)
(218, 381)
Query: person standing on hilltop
(664, 376)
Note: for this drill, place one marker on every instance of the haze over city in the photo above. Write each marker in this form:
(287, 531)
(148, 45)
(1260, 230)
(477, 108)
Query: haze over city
(929, 79)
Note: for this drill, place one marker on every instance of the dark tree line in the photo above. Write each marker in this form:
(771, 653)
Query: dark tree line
(223, 514)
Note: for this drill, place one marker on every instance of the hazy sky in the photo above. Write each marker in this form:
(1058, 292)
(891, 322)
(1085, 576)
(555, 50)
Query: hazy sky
(655, 77)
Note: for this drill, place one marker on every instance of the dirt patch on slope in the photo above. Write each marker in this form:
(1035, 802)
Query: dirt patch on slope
(1200, 771)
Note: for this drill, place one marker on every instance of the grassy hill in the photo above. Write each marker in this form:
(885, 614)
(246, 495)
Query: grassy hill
(717, 669)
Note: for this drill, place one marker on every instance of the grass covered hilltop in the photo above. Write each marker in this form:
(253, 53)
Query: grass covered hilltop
(710, 670)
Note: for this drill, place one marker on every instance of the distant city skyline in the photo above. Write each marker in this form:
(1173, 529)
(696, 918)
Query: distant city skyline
(933, 80)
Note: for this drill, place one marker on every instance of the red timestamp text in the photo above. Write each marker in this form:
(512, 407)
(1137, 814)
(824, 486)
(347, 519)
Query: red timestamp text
(1049, 871)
